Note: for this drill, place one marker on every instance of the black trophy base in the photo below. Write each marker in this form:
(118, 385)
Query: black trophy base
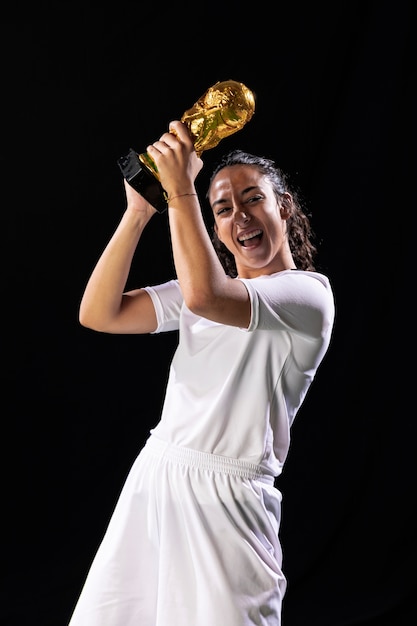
(142, 179)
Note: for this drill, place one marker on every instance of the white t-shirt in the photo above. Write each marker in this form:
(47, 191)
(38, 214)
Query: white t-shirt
(235, 392)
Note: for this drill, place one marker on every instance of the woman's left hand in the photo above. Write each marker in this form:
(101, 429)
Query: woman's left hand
(176, 159)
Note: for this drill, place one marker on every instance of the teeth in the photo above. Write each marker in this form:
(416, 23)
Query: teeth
(247, 236)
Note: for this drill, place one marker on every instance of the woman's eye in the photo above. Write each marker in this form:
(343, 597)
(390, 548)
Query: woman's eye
(223, 210)
(254, 198)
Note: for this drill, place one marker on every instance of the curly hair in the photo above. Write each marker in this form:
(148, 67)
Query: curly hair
(300, 233)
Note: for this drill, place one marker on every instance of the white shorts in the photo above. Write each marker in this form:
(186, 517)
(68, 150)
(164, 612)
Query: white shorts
(193, 541)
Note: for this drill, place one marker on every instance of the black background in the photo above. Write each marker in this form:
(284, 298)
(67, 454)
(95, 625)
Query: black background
(334, 86)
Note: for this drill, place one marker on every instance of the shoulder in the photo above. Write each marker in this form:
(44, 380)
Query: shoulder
(289, 280)
(302, 300)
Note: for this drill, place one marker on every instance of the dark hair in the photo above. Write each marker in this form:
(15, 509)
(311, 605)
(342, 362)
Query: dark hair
(300, 233)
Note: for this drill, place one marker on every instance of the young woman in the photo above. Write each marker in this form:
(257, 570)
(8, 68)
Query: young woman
(193, 539)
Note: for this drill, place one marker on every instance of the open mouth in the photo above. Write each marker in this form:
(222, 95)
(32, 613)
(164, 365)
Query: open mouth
(249, 239)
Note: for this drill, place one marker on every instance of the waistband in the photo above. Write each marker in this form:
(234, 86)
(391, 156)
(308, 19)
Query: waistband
(207, 461)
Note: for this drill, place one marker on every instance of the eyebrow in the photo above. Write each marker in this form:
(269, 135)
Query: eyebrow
(224, 200)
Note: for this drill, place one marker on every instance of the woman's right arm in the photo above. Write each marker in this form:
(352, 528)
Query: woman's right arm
(105, 306)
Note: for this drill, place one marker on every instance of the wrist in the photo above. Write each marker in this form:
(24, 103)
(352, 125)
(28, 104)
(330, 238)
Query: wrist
(138, 217)
(181, 195)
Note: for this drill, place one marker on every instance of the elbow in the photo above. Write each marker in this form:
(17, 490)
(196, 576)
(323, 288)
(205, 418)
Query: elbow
(87, 320)
(197, 307)
(84, 316)
(199, 302)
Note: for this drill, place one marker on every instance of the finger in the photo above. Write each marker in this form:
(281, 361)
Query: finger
(168, 140)
(160, 147)
(179, 130)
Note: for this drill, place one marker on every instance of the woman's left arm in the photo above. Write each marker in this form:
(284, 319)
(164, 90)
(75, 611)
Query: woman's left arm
(206, 289)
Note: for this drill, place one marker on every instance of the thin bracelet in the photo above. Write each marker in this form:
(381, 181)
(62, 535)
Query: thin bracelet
(181, 195)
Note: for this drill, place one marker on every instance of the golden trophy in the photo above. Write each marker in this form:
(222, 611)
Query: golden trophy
(221, 111)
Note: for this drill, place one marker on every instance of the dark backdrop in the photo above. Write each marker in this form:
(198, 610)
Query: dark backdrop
(334, 86)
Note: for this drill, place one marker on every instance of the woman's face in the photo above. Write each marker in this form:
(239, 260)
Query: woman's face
(250, 221)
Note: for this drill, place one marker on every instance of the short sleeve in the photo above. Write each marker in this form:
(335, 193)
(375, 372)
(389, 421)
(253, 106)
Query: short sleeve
(296, 301)
(167, 300)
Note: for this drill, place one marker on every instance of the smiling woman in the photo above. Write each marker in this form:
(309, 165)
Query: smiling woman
(290, 224)
(194, 537)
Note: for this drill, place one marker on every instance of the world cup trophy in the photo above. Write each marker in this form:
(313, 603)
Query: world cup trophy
(221, 111)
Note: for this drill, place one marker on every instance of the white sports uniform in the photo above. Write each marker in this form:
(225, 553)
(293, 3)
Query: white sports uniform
(193, 540)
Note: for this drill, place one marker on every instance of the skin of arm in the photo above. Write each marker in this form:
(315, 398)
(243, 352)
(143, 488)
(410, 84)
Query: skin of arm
(206, 289)
(105, 307)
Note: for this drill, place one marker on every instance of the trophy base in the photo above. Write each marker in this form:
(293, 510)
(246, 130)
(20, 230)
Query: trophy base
(142, 179)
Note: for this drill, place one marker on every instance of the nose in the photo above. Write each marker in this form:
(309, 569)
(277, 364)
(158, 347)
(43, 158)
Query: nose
(241, 217)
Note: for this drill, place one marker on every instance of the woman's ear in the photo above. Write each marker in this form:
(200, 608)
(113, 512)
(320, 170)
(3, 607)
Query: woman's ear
(286, 205)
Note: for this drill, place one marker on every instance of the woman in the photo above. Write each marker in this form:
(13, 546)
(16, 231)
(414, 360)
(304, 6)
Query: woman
(194, 538)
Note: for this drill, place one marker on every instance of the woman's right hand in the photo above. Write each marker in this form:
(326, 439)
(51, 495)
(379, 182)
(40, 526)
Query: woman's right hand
(136, 202)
